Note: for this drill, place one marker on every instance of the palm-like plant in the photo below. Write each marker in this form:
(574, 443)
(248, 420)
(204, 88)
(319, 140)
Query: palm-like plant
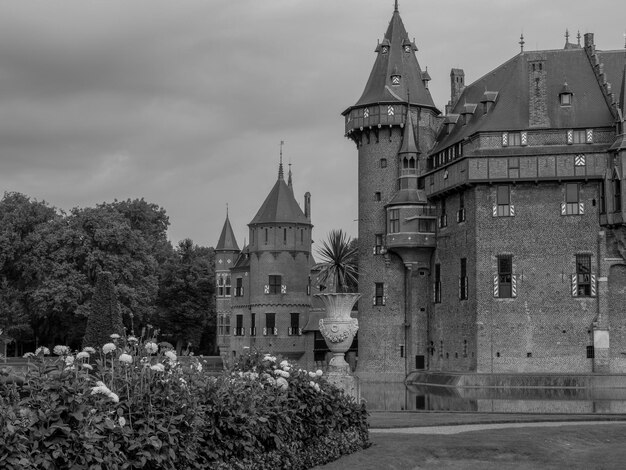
(338, 256)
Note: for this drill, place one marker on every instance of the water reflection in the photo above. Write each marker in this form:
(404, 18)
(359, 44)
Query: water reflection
(397, 396)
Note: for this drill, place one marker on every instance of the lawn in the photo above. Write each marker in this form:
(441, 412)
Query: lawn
(601, 446)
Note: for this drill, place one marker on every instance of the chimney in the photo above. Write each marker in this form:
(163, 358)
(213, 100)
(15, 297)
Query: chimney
(537, 91)
(457, 85)
(307, 205)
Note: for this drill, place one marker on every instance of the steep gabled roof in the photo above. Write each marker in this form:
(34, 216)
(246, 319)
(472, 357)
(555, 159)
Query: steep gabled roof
(379, 88)
(227, 241)
(510, 112)
(280, 206)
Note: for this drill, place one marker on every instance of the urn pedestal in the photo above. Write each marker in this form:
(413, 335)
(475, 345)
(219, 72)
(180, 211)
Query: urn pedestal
(338, 329)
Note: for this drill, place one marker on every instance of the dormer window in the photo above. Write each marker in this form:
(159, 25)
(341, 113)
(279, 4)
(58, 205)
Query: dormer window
(395, 77)
(407, 48)
(384, 49)
(565, 96)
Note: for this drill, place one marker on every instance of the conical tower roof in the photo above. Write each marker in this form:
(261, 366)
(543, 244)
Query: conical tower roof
(396, 56)
(280, 205)
(227, 241)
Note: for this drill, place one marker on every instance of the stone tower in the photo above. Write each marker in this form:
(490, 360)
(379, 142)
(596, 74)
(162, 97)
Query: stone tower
(226, 253)
(393, 125)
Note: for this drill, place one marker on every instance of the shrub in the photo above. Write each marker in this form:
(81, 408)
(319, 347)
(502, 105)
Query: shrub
(105, 317)
(132, 404)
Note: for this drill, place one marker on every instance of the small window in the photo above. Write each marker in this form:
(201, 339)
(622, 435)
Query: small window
(220, 286)
(394, 220)
(460, 216)
(227, 287)
(383, 163)
(602, 198)
(239, 326)
(566, 99)
(426, 225)
(437, 283)
(503, 207)
(463, 280)
(579, 136)
(583, 274)
(270, 324)
(379, 293)
(238, 287)
(284, 236)
(253, 324)
(591, 352)
(266, 236)
(572, 203)
(511, 139)
(443, 217)
(505, 276)
(275, 284)
(378, 243)
(294, 324)
(377, 196)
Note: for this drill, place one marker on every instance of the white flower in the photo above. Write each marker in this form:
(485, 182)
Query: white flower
(126, 358)
(270, 358)
(42, 350)
(87, 366)
(271, 381)
(28, 354)
(114, 397)
(319, 372)
(171, 355)
(132, 339)
(122, 421)
(101, 389)
(108, 348)
(89, 350)
(158, 367)
(152, 348)
(284, 364)
(69, 360)
(82, 355)
(312, 375)
(115, 336)
(282, 383)
(61, 350)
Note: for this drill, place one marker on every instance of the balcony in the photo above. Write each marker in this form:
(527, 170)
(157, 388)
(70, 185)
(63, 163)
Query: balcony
(410, 240)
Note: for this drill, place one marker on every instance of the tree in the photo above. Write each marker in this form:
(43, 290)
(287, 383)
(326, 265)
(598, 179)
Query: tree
(105, 318)
(21, 223)
(338, 265)
(185, 302)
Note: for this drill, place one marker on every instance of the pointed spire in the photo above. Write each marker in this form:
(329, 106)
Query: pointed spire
(521, 42)
(566, 36)
(281, 176)
(578, 37)
(408, 139)
(227, 241)
(395, 8)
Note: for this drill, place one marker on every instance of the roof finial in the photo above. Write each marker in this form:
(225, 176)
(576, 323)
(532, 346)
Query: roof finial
(280, 165)
(395, 8)
(566, 36)
(227, 210)
(521, 42)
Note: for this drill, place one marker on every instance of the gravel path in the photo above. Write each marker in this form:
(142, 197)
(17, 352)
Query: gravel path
(456, 429)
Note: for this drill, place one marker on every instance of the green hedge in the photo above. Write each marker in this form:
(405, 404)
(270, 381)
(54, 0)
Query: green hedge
(136, 407)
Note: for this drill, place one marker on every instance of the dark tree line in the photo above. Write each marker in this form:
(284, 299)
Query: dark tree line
(50, 260)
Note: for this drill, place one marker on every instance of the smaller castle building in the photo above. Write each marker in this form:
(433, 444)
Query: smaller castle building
(265, 290)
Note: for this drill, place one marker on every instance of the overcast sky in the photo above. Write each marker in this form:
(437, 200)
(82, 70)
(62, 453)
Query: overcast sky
(184, 103)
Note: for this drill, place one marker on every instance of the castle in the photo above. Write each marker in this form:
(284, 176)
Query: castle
(491, 238)
(264, 291)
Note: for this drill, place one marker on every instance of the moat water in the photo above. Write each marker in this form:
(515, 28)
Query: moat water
(397, 396)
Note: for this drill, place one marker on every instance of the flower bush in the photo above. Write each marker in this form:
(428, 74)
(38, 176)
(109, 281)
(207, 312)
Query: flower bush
(133, 404)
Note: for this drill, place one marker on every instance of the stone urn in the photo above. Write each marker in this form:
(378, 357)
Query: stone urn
(338, 327)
